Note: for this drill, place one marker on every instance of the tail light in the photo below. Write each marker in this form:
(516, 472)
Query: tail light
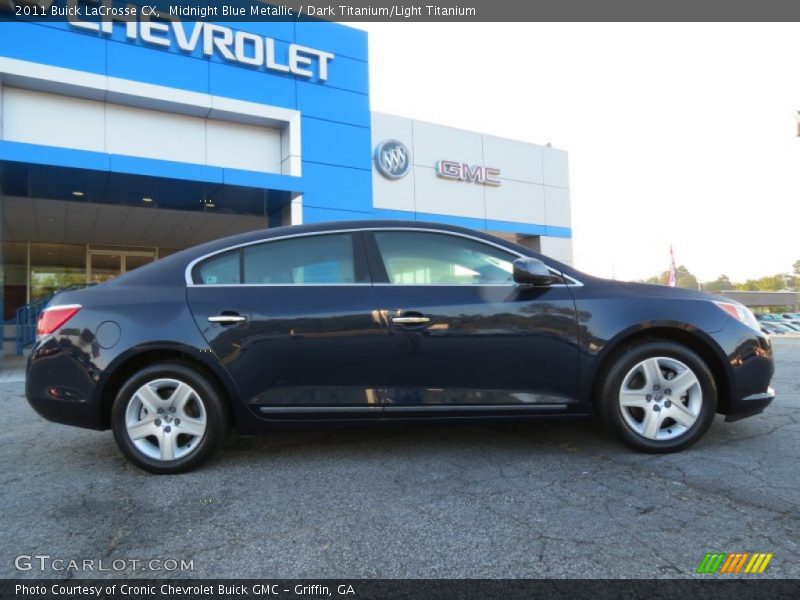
(52, 318)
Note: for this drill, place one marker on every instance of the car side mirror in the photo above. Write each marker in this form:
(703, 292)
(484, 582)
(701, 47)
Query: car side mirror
(532, 271)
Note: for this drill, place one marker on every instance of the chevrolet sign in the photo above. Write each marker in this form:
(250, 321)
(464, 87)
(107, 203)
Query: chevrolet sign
(240, 47)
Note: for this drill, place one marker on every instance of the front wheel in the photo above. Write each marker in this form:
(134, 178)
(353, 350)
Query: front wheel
(168, 418)
(658, 397)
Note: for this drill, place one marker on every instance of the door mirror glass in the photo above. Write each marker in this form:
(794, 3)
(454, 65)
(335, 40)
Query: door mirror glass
(532, 271)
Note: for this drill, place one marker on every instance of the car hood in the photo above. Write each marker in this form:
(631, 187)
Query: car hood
(664, 291)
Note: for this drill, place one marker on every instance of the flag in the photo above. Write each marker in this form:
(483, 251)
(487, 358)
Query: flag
(673, 275)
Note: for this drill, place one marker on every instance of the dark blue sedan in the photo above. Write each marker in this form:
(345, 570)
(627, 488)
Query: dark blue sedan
(386, 321)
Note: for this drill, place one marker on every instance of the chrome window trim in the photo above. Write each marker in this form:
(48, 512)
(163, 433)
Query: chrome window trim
(188, 271)
(409, 408)
(404, 408)
(323, 408)
(191, 265)
(208, 285)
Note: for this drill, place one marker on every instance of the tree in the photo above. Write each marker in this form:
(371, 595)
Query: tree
(751, 285)
(684, 277)
(720, 284)
(772, 283)
(769, 283)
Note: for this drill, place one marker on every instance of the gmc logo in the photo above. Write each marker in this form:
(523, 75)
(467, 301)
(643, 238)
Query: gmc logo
(463, 172)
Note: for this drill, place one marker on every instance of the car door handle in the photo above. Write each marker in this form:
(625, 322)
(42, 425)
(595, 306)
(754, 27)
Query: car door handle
(410, 320)
(227, 319)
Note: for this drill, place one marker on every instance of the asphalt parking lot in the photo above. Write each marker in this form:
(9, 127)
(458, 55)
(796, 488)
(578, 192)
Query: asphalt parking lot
(532, 500)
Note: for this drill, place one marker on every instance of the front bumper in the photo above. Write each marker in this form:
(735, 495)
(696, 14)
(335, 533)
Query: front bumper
(751, 405)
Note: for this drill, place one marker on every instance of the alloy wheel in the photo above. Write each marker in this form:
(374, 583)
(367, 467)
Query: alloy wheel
(165, 419)
(660, 398)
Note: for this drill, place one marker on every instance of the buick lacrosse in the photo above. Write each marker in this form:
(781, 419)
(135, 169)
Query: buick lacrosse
(385, 321)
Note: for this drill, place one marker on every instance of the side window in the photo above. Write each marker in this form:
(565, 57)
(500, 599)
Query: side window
(307, 260)
(220, 269)
(422, 258)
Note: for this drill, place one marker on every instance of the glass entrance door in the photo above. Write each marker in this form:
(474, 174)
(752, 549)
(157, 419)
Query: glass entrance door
(104, 264)
(103, 267)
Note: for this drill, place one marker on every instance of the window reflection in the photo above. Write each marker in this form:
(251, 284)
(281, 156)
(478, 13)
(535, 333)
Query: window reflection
(421, 258)
(56, 266)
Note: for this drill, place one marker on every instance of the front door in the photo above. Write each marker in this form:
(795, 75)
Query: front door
(459, 331)
(292, 320)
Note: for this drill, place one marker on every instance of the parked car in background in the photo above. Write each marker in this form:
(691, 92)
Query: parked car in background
(385, 321)
(772, 328)
(768, 317)
(785, 328)
(793, 318)
(778, 318)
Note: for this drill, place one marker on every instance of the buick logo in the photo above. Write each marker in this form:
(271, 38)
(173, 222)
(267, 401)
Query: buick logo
(392, 159)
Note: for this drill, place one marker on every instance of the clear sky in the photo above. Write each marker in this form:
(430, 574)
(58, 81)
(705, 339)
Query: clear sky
(681, 134)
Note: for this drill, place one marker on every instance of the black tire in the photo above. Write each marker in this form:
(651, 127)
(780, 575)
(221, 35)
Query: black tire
(610, 410)
(198, 449)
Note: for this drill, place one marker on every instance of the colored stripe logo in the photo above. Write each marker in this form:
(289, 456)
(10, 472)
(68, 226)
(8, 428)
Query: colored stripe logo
(734, 562)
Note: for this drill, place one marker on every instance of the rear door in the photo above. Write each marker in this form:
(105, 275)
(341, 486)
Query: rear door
(292, 320)
(461, 333)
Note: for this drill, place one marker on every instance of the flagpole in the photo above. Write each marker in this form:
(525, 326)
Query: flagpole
(672, 280)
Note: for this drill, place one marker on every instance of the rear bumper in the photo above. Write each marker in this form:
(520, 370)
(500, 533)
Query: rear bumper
(751, 405)
(60, 386)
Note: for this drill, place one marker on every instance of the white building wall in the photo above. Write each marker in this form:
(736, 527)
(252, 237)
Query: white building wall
(557, 206)
(519, 201)
(55, 120)
(558, 248)
(50, 120)
(534, 179)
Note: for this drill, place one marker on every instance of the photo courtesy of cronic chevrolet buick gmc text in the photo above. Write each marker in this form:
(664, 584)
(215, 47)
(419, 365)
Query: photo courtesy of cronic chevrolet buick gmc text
(385, 321)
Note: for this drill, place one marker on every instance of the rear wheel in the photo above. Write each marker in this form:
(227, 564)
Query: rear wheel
(658, 397)
(168, 418)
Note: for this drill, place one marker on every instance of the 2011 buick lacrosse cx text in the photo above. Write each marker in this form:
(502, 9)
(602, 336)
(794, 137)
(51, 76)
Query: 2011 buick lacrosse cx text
(385, 321)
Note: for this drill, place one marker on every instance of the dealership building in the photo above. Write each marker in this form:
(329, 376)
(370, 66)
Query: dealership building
(121, 143)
